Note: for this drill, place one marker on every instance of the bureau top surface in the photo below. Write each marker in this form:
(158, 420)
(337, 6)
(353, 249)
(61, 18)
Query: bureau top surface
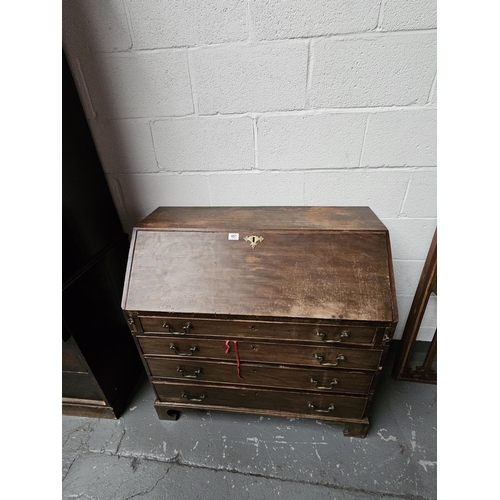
(232, 218)
(313, 263)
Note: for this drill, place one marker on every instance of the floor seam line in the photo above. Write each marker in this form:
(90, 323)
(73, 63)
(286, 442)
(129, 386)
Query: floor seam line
(178, 460)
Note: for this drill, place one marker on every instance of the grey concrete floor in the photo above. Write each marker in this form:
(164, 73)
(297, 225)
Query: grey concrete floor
(216, 455)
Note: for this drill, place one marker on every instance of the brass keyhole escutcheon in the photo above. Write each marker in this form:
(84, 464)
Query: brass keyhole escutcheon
(253, 240)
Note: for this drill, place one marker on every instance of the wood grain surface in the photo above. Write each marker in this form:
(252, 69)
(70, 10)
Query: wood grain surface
(309, 379)
(294, 401)
(321, 275)
(233, 219)
(195, 327)
(260, 352)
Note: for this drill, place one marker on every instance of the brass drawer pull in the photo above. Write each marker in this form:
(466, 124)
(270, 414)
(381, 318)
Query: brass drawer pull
(331, 407)
(196, 400)
(320, 358)
(324, 388)
(190, 353)
(343, 335)
(185, 328)
(194, 375)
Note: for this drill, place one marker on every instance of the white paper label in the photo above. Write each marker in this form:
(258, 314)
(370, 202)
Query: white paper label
(233, 236)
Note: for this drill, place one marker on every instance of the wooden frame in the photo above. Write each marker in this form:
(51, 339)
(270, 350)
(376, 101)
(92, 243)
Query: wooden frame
(426, 286)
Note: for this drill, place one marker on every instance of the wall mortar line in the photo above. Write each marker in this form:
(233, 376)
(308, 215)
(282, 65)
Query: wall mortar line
(368, 35)
(405, 196)
(291, 112)
(255, 144)
(129, 25)
(433, 90)
(364, 142)
(308, 74)
(380, 15)
(194, 94)
(150, 123)
(285, 171)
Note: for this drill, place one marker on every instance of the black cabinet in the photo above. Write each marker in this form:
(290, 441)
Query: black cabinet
(100, 363)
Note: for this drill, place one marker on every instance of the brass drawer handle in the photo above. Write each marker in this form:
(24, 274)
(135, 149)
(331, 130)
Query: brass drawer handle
(190, 353)
(194, 375)
(324, 388)
(343, 335)
(320, 358)
(185, 328)
(189, 398)
(331, 407)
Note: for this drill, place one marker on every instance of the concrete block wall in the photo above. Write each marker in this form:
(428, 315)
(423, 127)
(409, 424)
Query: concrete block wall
(266, 102)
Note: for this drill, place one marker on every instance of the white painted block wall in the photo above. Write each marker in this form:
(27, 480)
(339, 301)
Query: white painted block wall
(266, 102)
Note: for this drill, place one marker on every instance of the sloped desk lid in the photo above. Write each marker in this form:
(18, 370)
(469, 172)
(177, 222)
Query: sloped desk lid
(329, 263)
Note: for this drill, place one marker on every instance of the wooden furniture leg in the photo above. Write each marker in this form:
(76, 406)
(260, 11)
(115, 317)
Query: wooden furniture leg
(165, 413)
(356, 430)
(426, 370)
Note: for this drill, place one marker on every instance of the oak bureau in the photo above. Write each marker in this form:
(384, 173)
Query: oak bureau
(284, 311)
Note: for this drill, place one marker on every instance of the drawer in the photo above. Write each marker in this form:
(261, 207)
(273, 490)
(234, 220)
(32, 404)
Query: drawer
(312, 379)
(258, 352)
(212, 396)
(330, 334)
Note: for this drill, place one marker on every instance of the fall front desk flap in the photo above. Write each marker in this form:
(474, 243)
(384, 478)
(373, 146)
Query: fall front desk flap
(321, 263)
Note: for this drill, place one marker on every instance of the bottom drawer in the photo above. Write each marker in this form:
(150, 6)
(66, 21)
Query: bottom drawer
(211, 396)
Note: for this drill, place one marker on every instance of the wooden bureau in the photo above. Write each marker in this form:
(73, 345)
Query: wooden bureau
(284, 311)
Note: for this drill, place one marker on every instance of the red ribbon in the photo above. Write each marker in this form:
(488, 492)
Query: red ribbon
(237, 359)
(238, 362)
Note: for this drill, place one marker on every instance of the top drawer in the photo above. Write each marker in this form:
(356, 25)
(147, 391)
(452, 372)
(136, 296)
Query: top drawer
(323, 334)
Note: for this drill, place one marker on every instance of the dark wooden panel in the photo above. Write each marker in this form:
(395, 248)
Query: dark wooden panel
(235, 219)
(80, 386)
(322, 334)
(313, 379)
(72, 359)
(91, 309)
(293, 401)
(319, 275)
(94, 257)
(89, 219)
(258, 352)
